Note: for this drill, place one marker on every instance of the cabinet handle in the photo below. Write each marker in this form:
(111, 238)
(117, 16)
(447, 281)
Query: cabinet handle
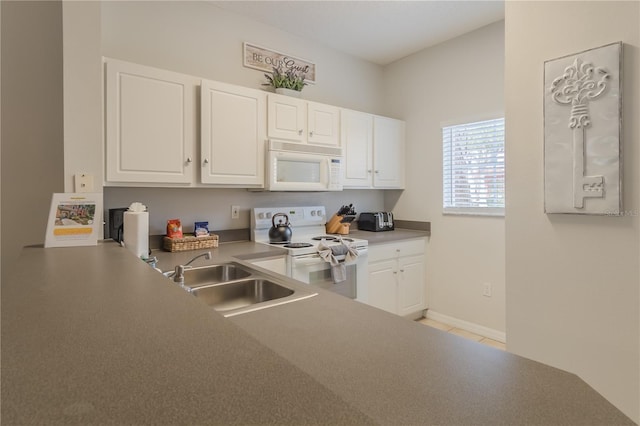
(401, 270)
(206, 161)
(189, 160)
(300, 132)
(377, 171)
(369, 171)
(310, 134)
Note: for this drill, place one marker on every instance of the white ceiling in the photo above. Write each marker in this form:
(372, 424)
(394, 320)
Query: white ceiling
(377, 31)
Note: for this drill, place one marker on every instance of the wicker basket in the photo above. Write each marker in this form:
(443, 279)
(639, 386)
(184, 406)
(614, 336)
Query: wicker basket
(190, 243)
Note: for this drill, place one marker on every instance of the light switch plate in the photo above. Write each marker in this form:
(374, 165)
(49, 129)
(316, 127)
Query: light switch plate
(486, 289)
(84, 182)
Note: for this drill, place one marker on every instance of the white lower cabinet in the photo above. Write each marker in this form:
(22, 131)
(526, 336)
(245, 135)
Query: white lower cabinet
(383, 288)
(397, 277)
(411, 285)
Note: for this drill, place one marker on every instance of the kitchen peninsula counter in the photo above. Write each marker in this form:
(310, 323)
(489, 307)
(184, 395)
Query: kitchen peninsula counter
(92, 335)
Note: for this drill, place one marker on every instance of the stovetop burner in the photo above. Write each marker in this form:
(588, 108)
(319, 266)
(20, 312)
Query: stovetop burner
(308, 225)
(298, 245)
(333, 238)
(324, 237)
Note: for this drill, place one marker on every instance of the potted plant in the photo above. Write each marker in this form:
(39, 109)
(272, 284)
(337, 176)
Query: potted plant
(288, 82)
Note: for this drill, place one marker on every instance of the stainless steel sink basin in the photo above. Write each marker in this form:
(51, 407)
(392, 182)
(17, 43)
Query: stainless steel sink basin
(240, 294)
(214, 274)
(233, 289)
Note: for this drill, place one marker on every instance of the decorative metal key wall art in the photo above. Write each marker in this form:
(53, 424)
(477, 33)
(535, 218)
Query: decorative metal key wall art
(582, 132)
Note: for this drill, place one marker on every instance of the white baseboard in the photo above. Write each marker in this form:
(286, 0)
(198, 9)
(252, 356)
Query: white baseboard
(491, 333)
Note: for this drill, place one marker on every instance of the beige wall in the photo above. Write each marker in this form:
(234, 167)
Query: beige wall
(32, 132)
(200, 39)
(457, 81)
(572, 281)
(83, 152)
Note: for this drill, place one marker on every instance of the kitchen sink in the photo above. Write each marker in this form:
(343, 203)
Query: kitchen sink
(241, 294)
(214, 274)
(232, 288)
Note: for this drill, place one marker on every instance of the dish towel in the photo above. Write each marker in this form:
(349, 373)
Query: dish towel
(338, 268)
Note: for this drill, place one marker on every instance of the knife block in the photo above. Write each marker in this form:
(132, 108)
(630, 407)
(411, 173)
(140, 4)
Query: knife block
(335, 226)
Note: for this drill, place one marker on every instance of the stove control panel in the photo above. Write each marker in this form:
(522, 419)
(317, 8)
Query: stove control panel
(298, 216)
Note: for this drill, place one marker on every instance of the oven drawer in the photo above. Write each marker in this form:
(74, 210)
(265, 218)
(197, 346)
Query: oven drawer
(396, 249)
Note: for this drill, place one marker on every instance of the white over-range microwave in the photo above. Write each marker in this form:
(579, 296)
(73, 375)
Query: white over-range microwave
(300, 167)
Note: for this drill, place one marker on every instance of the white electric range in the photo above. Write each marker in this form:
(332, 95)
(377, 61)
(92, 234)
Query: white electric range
(303, 261)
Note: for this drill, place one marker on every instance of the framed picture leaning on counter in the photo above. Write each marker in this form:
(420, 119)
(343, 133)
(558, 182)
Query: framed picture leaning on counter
(74, 220)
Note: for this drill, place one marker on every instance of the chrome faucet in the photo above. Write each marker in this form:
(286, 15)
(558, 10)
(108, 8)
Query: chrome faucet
(178, 273)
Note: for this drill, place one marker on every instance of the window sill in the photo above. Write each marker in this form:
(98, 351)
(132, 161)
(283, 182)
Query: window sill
(474, 212)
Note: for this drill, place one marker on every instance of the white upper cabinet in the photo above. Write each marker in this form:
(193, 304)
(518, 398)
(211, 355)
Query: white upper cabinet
(388, 152)
(323, 124)
(357, 142)
(152, 118)
(233, 134)
(287, 118)
(302, 121)
(374, 150)
(150, 122)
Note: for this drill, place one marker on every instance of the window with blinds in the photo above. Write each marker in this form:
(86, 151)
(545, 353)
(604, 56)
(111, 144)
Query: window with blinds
(473, 172)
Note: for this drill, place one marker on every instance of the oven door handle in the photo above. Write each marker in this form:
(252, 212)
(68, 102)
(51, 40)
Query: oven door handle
(314, 259)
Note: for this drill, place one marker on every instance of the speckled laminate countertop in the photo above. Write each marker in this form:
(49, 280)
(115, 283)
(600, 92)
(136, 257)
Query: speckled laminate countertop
(383, 237)
(92, 335)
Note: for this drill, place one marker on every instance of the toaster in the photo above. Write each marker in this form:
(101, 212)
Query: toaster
(379, 221)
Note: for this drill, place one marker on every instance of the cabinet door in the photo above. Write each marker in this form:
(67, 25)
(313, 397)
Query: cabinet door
(388, 154)
(233, 133)
(382, 286)
(286, 118)
(150, 118)
(323, 124)
(411, 285)
(357, 145)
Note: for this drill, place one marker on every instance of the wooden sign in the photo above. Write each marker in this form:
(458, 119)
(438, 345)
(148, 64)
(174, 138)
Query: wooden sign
(264, 59)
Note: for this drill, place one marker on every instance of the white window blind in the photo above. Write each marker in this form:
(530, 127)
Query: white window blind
(473, 168)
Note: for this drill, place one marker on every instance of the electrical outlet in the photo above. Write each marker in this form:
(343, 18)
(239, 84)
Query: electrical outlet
(84, 182)
(235, 212)
(486, 289)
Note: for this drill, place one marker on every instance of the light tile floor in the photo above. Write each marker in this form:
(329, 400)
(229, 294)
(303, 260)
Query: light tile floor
(463, 333)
